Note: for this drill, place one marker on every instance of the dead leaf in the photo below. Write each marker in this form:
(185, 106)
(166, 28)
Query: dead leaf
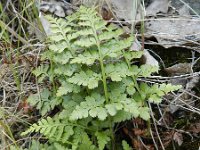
(125, 9)
(59, 8)
(106, 13)
(46, 25)
(88, 3)
(138, 132)
(4, 70)
(147, 58)
(192, 83)
(179, 69)
(180, 32)
(184, 11)
(167, 138)
(195, 128)
(137, 144)
(157, 6)
(125, 131)
(178, 137)
(25, 106)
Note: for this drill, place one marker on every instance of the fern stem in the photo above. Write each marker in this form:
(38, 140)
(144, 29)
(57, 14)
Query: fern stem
(52, 79)
(104, 80)
(104, 83)
(101, 63)
(133, 77)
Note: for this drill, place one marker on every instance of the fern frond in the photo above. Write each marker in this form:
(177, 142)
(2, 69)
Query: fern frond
(107, 35)
(66, 88)
(125, 145)
(58, 146)
(92, 106)
(102, 139)
(87, 58)
(117, 71)
(82, 141)
(144, 113)
(131, 106)
(43, 102)
(55, 129)
(130, 55)
(86, 42)
(86, 78)
(59, 26)
(122, 116)
(114, 108)
(59, 47)
(70, 101)
(93, 80)
(41, 72)
(158, 91)
(62, 58)
(66, 70)
(147, 70)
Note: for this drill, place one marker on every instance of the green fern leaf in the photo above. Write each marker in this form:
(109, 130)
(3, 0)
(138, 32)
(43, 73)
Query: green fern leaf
(43, 102)
(102, 138)
(157, 92)
(72, 36)
(60, 147)
(131, 89)
(130, 55)
(67, 88)
(125, 145)
(99, 24)
(144, 113)
(111, 49)
(87, 58)
(88, 78)
(85, 32)
(69, 103)
(62, 58)
(82, 141)
(59, 47)
(131, 106)
(99, 112)
(53, 129)
(122, 116)
(155, 98)
(86, 42)
(147, 70)
(113, 108)
(166, 88)
(92, 106)
(41, 70)
(117, 71)
(56, 37)
(58, 26)
(66, 70)
(110, 34)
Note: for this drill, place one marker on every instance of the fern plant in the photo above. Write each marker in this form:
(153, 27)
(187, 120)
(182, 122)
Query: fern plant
(93, 83)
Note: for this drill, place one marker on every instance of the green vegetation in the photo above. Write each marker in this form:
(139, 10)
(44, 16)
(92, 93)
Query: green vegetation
(93, 84)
